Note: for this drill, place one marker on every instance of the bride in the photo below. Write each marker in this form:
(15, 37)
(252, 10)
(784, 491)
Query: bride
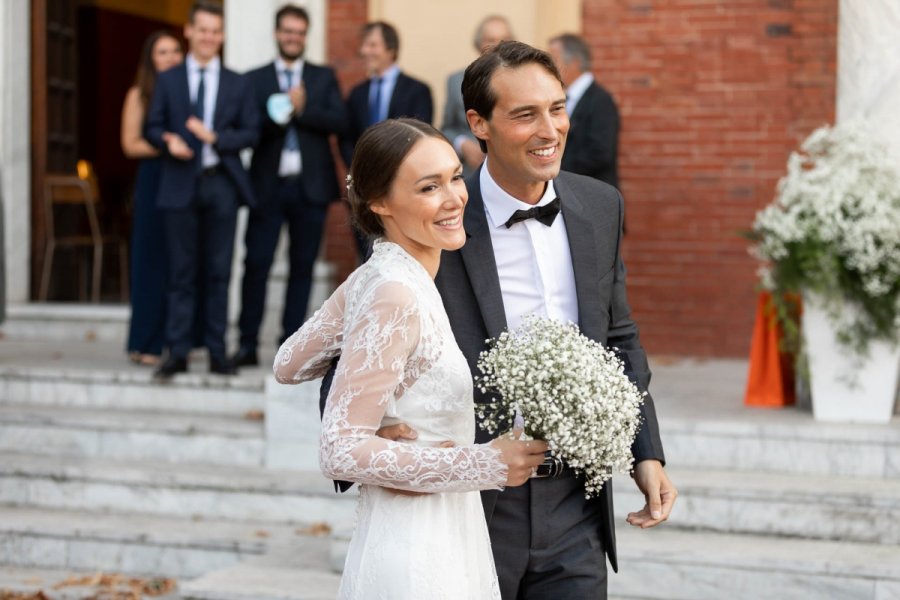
(400, 363)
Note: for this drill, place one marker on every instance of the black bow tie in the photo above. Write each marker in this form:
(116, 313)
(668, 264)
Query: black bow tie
(545, 214)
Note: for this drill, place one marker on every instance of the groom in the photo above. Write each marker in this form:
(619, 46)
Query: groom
(527, 253)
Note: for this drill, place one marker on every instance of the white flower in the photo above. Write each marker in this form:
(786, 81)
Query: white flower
(572, 391)
(834, 226)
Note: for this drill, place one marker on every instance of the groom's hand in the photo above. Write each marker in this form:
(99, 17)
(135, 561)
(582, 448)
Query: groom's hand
(659, 493)
(402, 431)
(398, 432)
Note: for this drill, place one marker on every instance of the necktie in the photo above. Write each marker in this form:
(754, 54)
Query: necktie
(291, 142)
(545, 214)
(200, 100)
(375, 101)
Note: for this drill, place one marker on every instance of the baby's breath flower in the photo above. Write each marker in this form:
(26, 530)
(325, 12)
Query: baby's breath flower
(572, 392)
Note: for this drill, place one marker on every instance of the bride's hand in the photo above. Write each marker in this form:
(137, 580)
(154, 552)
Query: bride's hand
(521, 458)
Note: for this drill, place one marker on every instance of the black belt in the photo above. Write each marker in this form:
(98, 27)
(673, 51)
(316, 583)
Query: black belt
(551, 467)
(208, 171)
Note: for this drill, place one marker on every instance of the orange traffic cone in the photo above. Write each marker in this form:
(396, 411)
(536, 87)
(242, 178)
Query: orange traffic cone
(770, 380)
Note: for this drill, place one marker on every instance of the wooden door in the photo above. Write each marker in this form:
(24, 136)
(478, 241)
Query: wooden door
(54, 115)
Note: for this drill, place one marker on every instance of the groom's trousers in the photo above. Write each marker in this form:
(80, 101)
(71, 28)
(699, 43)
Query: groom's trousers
(547, 542)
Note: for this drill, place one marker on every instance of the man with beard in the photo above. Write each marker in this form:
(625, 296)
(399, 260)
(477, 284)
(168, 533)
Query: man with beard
(293, 175)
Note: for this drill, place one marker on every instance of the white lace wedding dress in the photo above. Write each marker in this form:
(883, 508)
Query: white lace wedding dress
(400, 363)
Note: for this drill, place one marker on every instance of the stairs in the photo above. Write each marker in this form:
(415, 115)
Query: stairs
(771, 504)
(101, 469)
(104, 470)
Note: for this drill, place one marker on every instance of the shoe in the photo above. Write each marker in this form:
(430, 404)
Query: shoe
(222, 367)
(170, 367)
(245, 358)
(144, 360)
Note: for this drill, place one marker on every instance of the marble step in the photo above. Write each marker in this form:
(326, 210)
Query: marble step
(134, 543)
(784, 505)
(131, 435)
(684, 565)
(101, 383)
(65, 584)
(785, 442)
(182, 491)
(66, 322)
(302, 573)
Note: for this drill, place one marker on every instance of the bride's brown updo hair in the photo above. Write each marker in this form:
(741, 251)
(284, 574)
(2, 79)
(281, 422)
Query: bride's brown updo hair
(377, 158)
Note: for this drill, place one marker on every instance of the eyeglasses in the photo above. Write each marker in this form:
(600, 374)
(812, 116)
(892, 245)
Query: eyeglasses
(294, 32)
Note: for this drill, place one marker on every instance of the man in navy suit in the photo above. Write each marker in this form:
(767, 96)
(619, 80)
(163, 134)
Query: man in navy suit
(201, 116)
(293, 176)
(388, 93)
(593, 144)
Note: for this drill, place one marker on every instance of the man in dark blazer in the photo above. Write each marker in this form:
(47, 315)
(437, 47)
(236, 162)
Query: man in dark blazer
(201, 116)
(293, 175)
(388, 93)
(548, 541)
(593, 145)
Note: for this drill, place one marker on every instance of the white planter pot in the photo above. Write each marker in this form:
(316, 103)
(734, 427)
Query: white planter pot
(842, 387)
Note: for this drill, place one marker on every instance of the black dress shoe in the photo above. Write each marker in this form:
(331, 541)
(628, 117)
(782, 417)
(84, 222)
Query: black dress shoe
(245, 358)
(222, 367)
(170, 367)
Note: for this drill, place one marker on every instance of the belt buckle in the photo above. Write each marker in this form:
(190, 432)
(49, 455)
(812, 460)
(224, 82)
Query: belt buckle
(551, 467)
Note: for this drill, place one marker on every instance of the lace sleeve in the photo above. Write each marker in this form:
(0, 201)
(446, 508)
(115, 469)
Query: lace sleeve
(373, 371)
(308, 352)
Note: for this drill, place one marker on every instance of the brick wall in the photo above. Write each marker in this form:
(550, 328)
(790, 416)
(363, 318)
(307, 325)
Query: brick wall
(714, 95)
(345, 19)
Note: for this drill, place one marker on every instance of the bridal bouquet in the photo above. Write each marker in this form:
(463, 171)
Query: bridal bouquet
(571, 391)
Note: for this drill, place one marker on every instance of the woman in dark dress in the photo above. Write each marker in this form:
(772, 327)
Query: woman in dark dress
(148, 260)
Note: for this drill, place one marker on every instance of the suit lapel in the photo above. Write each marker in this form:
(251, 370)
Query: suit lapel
(399, 92)
(220, 97)
(584, 103)
(583, 248)
(478, 257)
(184, 86)
(274, 81)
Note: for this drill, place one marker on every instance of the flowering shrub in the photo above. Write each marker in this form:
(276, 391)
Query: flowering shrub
(833, 230)
(571, 391)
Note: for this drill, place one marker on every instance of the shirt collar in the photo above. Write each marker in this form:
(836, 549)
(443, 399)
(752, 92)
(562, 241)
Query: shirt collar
(281, 66)
(391, 74)
(193, 66)
(575, 91)
(499, 204)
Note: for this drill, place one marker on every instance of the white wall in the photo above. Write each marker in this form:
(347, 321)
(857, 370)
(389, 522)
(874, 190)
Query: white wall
(15, 144)
(868, 83)
(250, 25)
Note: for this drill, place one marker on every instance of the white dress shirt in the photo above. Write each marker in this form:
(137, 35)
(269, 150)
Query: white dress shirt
(291, 160)
(534, 261)
(575, 91)
(208, 156)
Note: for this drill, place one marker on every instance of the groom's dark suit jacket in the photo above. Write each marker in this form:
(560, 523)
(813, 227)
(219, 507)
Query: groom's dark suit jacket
(470, 288)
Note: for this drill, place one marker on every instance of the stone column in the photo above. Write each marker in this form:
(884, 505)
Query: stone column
(869, 65)
(15, 145)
